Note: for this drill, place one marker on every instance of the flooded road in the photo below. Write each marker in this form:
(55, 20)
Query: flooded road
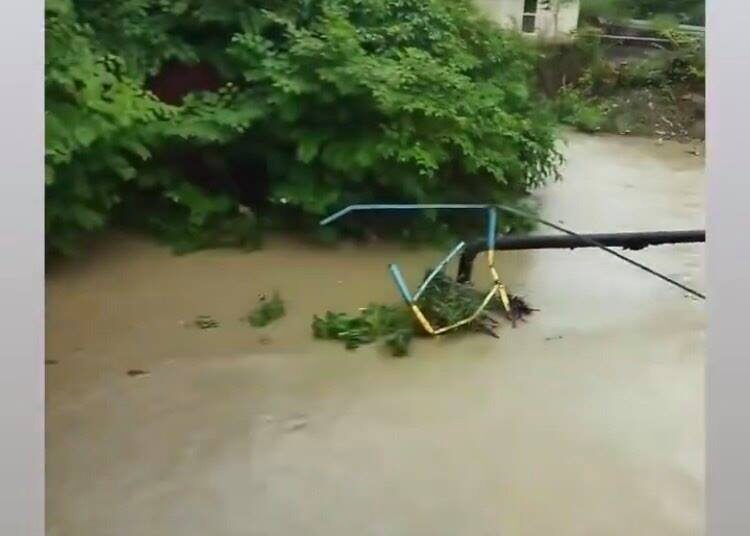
(587, 420)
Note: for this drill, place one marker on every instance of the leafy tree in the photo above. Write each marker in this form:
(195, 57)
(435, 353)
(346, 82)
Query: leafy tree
(339, 101)
(98, 124)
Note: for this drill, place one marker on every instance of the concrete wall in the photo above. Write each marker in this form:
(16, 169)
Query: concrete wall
(567, 16)
(507, 13)
(555, 19)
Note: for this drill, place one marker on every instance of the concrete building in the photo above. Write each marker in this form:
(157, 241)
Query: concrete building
(547, 19)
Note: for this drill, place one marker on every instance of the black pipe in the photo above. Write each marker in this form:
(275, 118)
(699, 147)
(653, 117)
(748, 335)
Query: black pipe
(631, 241)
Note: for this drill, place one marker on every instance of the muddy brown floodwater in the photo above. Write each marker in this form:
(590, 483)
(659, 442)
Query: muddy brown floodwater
(588, 420)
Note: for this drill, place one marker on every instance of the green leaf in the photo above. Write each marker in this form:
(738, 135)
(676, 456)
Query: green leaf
(307, 149)
(87, 218)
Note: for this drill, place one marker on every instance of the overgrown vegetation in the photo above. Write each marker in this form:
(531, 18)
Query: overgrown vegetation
(659, 94)
(444, 303)
(305, 106)
(682, 11)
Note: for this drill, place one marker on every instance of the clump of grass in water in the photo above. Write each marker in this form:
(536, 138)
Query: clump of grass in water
(394, 323)
(444, 302)
(267, 311)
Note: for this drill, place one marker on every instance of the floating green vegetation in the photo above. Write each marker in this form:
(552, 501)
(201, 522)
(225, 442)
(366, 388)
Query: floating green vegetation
(267, 311)
(392, 323)
(444, 302)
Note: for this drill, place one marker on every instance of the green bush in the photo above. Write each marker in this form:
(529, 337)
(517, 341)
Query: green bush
(682, 63)
(687, 63)
(576, 110)
(343, 101)
(97, 125)
(102, 132)
(684, 11)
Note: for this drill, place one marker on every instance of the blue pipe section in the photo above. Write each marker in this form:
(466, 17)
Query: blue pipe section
(437, 269)
(400, 283)
(352, 208)
(491, 227)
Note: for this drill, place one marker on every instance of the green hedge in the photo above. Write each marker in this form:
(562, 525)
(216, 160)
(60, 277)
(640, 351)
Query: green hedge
(341, 101)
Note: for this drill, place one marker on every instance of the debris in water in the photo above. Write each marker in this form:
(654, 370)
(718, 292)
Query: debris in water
(443, 303)
(372, 323)
(519, 309)
(205, 322)
(137, 372)
(267, 311)
(295, 423)
(446, 301)
(51, 361)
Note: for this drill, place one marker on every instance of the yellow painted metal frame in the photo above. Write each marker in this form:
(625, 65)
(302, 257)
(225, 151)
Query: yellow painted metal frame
(498, 289)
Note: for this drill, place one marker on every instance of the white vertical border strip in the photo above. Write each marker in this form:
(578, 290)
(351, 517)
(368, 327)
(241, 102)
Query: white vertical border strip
(22, 267)
(728, 255)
